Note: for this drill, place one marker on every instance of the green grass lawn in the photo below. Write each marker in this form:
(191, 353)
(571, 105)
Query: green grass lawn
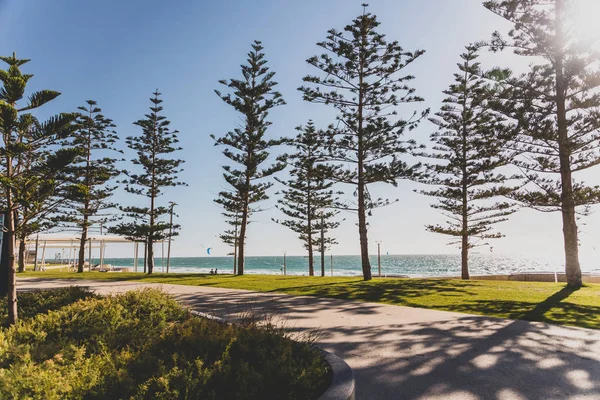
(532, 301)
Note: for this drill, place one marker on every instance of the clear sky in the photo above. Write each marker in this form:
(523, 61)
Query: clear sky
(117, 52)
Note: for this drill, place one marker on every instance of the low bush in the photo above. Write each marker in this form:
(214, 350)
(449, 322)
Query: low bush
(144, 345)
(36, 302)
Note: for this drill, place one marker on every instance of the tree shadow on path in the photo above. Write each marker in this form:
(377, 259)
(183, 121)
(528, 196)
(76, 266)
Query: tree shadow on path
(407, 353)
(552, 310)
(462, 357)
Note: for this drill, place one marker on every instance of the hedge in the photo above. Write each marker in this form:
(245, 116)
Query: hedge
(144, 345)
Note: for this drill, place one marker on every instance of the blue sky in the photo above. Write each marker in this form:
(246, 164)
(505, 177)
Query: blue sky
(118, 52)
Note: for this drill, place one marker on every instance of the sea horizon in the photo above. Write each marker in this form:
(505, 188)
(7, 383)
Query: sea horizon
(413, 265)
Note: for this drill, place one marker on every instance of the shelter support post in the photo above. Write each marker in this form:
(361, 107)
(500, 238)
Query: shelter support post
(101, 253)
(89, 255)
(37, 245)
(135, 256)
(44, 257)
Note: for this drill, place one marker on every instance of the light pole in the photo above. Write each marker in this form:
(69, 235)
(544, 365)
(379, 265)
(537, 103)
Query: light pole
(331, 263)
(171, 205)
(379, 256)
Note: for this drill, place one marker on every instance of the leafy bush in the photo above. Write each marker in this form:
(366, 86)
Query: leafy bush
(144, 345)
(41, 301)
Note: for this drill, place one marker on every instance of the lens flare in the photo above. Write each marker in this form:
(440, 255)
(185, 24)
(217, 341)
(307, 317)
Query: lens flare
(586, 20)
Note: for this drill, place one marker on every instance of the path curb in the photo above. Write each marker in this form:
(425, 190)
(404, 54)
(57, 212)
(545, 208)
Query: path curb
(342, 386)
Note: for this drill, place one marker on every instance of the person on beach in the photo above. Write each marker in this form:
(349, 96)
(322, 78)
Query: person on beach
(216, 271)
(212, 272)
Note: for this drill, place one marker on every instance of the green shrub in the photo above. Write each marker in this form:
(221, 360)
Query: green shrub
(144, 345)
(36, 302)
(206, 360)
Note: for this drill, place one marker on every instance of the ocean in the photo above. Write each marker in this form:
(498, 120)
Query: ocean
(410, 265)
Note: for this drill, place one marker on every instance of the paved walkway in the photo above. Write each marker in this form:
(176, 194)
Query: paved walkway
(409, 353)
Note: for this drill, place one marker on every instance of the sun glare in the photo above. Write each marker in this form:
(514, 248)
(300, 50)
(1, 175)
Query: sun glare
(586, 15)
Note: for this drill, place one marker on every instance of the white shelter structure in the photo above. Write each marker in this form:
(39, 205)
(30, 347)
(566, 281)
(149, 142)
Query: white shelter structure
(72, 243)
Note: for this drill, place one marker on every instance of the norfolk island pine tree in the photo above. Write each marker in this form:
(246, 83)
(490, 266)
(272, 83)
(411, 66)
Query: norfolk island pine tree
(555, 110)
(87, 198)
(154, 148)
(469, 150)
(253, 96)
(362, 79)
(308, 200)
(232, 207)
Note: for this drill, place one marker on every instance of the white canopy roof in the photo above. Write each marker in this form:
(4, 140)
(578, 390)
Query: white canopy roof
(68, 239)
(74, 239)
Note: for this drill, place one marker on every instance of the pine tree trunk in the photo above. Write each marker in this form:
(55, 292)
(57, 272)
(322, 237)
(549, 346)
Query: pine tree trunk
(22, 255)
(150, 255)
(86, 204)
(242, 238)
(572, 267)
(323, 261)
(146, 254)
(150, 241)
(464, 274)
(362, 217)
(322, 245)
(240, 270)
(362, 232)
(82, 241)
(311, 262)
(9, 236)
(235, 247)
(150, 238)
(362, 220)
(153, 194)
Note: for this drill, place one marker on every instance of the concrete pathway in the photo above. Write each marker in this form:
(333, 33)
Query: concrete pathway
(410, 353)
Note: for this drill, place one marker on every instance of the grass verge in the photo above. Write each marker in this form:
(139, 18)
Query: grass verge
(532, 301)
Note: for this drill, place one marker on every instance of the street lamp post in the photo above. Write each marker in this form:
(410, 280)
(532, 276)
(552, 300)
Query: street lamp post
(171, 204)
(331, 263)
(379, 256)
